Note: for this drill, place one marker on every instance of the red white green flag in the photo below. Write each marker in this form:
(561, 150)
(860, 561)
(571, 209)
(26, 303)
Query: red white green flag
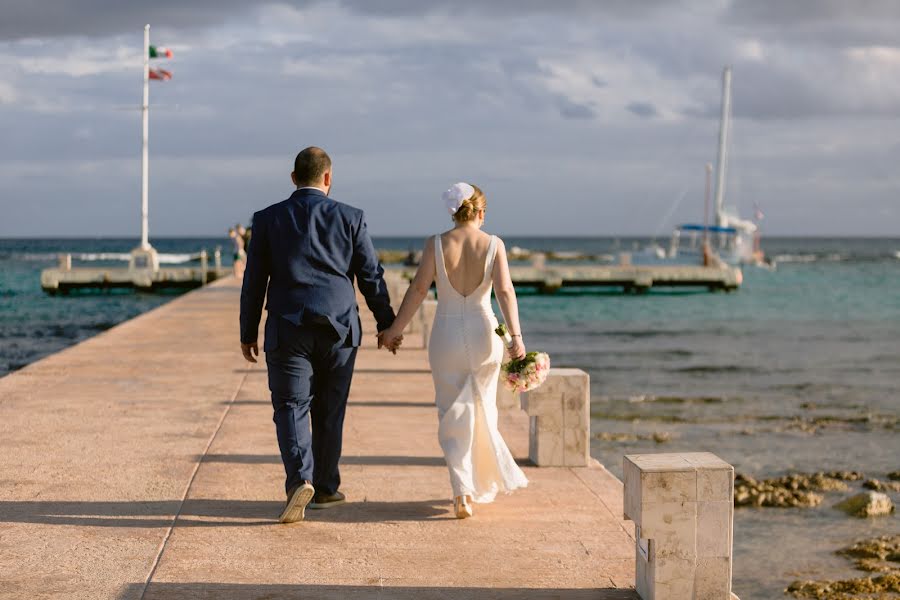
(155, 72)
(160, 52)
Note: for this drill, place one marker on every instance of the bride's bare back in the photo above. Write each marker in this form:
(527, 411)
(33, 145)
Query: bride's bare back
(465, 255)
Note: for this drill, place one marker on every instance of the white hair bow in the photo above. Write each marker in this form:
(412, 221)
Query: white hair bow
(456, 195)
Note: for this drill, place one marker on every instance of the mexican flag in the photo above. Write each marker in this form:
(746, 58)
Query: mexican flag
(160, 52)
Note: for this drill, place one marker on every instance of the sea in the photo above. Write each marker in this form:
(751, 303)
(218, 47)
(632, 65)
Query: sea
(798, 371)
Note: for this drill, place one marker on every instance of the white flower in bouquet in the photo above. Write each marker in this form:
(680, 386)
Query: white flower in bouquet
(523, 374)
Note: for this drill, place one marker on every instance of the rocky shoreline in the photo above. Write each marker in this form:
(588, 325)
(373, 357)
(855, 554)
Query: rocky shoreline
(794, 490)
(879, 555)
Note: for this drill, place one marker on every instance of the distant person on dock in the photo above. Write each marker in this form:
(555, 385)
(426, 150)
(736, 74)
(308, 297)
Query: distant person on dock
(307, 251)
(240, 255)
(463, 351)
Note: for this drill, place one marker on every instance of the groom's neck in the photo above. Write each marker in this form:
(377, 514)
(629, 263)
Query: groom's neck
(321, 188)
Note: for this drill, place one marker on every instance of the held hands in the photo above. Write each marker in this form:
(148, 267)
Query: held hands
(390, 339)
(517, 348)
(250, 351)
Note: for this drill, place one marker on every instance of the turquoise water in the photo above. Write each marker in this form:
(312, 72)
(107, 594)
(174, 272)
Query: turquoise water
(797, 371)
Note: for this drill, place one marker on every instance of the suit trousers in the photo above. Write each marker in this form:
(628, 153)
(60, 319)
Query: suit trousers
(310, 371)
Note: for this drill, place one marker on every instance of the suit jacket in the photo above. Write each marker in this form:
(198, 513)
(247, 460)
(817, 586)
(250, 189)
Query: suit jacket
(308, 250)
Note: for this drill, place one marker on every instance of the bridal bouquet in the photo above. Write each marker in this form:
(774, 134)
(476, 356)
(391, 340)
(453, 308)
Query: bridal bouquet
(523, 374)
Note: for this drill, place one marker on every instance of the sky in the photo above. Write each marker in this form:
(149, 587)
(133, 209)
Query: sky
(576, 117)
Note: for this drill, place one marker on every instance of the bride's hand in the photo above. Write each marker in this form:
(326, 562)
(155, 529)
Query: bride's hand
(390, 339)
(517, 349)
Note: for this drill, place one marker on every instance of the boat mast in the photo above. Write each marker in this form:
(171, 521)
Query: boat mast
(723, 142)
(145, 114)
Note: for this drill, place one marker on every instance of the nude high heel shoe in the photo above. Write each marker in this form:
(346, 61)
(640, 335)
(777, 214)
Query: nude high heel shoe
(463, 507)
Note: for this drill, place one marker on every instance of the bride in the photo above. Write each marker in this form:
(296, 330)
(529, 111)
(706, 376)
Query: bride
(463, 351)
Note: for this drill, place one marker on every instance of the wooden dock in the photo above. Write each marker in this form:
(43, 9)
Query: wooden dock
(142, 464)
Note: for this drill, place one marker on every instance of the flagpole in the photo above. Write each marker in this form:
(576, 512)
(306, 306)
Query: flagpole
(145, 121)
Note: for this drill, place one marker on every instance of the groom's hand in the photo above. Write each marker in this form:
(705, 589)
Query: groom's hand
(391, 342)
(250, 351)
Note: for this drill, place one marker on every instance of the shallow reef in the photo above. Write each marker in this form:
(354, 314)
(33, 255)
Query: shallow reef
(879, 555)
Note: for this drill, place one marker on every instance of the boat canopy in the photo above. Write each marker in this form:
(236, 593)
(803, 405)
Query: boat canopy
(711, 228)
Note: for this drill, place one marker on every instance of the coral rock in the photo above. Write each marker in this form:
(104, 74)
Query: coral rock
(867, 504)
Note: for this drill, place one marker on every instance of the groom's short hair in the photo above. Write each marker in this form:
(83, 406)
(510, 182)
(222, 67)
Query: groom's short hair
(311, 165)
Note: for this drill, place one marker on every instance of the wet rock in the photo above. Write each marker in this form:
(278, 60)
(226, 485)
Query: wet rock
(659, 437)
(846, 589)
(794, 490)
(867, 504)
(783, 492)
(882, 486)
(875, 555)
(614, 436)
(894, 475)
(844, 475)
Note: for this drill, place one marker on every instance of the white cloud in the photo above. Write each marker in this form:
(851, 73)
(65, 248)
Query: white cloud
(81, 61)
(8, 94)
(751, 49)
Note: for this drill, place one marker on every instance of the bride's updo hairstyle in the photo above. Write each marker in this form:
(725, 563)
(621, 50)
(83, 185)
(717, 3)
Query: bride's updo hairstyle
(470, 207)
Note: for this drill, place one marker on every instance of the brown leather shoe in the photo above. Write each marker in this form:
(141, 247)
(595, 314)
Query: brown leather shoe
(298, 498)
(325, 501)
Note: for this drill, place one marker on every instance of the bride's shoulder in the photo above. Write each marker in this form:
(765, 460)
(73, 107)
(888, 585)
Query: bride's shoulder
(428, 245)
(499, 241)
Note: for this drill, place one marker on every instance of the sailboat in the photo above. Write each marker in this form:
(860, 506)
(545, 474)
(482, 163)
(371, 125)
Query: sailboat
(729, 238)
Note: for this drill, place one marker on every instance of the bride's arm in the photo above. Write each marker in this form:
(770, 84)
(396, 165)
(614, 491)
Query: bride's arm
(417, 292)
(506, 298)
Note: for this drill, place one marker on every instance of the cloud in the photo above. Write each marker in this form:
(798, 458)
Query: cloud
(56, 18)
(81, 61)
(8, 94)
(811, 11)
(408, 96)
(644, 110)
(573, 110)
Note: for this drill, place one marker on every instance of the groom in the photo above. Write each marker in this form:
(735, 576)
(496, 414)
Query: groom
(308, 250)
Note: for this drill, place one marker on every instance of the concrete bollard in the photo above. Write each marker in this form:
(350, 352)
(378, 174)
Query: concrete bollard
(683, 509)
(65, 262)
(560, 430)
(426, 319)
(204, 267)
(506, 399)
(397, 286)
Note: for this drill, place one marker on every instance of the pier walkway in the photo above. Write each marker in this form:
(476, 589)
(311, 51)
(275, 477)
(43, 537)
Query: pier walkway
(142, 464)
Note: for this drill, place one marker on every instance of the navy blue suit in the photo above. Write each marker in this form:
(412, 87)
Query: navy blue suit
(304, 255)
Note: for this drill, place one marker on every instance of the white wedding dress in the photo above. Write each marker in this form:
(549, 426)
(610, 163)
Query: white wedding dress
(465, 355)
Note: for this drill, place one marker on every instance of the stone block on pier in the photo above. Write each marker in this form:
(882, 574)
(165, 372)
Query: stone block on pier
(426, 319)
(683, 510)
(560, 428)
(506, 399)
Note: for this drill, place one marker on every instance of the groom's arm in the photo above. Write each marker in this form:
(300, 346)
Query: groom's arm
(256, 279)
(370, 276)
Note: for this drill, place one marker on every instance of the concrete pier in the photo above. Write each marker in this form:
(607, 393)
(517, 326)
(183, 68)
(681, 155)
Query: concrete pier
(143, 274)
(142, 464)
(548, 279)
